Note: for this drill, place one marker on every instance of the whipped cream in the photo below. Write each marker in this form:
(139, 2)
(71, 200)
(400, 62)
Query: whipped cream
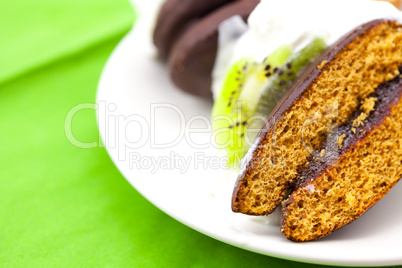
(293, 22)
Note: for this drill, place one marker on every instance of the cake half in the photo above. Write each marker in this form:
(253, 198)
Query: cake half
(348, 87)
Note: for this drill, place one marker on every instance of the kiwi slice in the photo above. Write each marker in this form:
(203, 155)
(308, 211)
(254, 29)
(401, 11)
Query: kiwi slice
(226, 112)
(238, 100)
(259, 76)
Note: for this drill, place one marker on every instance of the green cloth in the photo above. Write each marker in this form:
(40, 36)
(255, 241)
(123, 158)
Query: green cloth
(61, 206)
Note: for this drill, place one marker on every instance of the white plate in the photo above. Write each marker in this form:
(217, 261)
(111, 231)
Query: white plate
(148, 128)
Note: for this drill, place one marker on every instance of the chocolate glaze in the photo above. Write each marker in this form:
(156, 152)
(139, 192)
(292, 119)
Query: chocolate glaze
(193, 56)
(177, 15)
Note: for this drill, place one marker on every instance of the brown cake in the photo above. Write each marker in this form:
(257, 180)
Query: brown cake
(334, 142)
(186, 35)
(193, 55)
(175, 16)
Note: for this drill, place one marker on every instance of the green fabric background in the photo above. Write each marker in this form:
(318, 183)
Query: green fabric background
(61, 206)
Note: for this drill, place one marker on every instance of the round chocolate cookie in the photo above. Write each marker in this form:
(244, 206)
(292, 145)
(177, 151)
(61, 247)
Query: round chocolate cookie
(176, 16)
(193, 56)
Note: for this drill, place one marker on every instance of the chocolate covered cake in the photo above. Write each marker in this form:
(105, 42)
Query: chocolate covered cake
(334, 141)
(193, 55)
(175, 16)
(186, 35)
